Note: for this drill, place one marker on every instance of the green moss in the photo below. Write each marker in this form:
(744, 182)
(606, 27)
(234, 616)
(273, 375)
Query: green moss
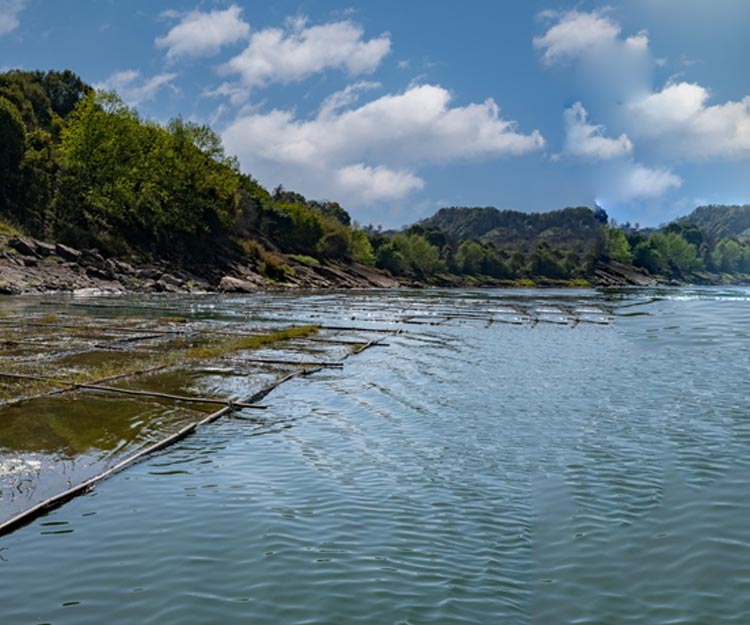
(217, 349)
(304, 259)
(579, 283)
(173, 319)
(9, 230)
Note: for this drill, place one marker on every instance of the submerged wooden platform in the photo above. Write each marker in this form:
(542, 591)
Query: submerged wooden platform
(88, 350)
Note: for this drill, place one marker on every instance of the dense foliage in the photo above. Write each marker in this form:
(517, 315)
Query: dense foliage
(720, 221)
(505, 246)
(560, 246)
(83, 168)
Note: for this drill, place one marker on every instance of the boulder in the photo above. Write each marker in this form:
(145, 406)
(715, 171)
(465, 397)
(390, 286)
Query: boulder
(123, 267)
(67, 253)
(23, 246)
(45, 249)
(149, 273)
(229, 284)
(171, 281)
(92, 257)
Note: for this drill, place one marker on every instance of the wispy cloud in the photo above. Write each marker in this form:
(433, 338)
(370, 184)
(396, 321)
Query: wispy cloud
(585, 140)
(134, 88)
(9, 12)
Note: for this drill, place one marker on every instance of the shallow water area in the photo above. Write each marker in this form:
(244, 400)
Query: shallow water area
(509, 456)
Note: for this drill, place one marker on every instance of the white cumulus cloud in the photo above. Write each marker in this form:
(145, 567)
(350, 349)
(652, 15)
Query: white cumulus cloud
(610, 66)
(370, 152)
(298, 51)
(680, 119)
(9, 12)
(576, 33)
(586, 140)
(134, 88)
(626, 181)
(640, 181)
(374, 184)
(204, 33)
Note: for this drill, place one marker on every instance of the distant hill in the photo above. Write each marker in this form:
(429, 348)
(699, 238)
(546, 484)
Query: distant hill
(720, 221)
(569, 227)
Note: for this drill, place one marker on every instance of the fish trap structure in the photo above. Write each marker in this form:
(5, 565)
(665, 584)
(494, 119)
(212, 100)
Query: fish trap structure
(87, 388)
(82, 397)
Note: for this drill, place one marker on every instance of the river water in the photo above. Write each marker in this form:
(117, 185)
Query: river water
(583, 459)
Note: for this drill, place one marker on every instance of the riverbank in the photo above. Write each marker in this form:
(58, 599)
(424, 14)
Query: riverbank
(29, 266)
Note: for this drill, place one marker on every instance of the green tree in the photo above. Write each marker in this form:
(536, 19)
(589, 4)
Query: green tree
(542, 262)
(679, 256)
(727, 255)
(422, 259)
(469, 257)
(618, 247)
(12, 148)
(362, 251)
(388, 257)
(125, 178)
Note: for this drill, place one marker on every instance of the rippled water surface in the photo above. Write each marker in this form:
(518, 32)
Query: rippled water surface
(584, 458)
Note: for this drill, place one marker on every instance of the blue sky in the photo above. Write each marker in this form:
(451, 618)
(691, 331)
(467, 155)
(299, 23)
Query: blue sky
(396, 109)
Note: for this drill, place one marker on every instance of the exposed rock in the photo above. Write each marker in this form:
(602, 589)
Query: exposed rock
(168, 287)
(92, 257)
(148, 273)
(229, 284)
(9, 289)
(170, 280)
(123, 267)
(613, 273)
(103, 273)
(26, 247)
(45, 249)
(67, 253)
(374, 277)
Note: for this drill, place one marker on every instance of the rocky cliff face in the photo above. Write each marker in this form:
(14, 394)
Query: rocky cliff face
(31, 266)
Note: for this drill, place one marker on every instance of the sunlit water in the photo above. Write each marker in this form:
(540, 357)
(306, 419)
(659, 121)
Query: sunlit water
(545, 473)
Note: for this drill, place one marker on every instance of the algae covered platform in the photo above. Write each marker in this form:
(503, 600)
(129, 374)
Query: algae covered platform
(87, 388)
(90, 385)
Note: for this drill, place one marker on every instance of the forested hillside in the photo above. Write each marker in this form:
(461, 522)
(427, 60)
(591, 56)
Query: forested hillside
(573, 227)
(79, 167)
(720, 221)
(82, 168)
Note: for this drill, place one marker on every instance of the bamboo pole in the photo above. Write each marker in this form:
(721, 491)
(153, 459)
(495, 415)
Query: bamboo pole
(339, 342)
(58, 500)
(265, 391)
(358, 329)
(298, 363)
(182, 398)
(126, 391)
